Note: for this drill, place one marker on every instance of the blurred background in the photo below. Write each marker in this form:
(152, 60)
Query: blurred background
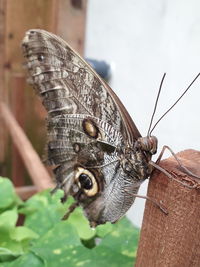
(140, 40)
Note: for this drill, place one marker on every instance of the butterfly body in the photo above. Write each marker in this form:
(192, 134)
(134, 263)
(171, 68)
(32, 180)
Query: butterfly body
(100, 157)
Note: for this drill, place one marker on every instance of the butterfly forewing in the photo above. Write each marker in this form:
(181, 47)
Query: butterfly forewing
(54, 65)
(88, 127)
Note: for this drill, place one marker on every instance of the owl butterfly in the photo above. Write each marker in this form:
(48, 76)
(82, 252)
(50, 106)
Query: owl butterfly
(99, 155)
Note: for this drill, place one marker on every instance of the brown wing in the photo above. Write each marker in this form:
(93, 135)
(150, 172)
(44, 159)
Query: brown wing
(52, 63)
(88, 127)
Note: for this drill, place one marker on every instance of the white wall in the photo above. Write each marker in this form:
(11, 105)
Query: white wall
(143, 39)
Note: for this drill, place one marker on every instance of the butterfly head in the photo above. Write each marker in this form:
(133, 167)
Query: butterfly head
(148, 144)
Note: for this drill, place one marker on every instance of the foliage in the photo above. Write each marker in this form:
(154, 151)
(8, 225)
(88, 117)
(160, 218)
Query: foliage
(45, 240)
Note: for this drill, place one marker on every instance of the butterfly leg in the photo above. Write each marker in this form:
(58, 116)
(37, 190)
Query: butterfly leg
(54, 190)
(156, 203)
(156, 166)
(70, 210)
(64, 198)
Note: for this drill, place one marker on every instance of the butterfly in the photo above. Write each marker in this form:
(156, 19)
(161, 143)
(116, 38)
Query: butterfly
(98, 154)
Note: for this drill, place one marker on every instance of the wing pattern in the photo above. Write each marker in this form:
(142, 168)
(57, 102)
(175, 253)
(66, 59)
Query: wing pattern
(88, 127)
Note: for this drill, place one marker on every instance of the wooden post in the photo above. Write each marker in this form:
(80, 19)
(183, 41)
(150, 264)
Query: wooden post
(172, 240)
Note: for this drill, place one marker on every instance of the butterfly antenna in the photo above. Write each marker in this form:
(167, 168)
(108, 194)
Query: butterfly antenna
(156, 104)
(175, 102)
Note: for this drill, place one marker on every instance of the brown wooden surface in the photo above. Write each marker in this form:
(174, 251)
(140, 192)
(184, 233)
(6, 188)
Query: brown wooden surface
(26, 192)
(71, 23)
(3, 138)
(18, 104)
(172, 240)
(64, 17)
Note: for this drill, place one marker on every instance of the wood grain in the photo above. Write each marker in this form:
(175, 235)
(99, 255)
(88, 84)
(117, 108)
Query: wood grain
(65, 17)
(37, 171)
(173, 239)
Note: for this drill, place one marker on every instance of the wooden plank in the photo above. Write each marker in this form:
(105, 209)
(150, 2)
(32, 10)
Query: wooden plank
(17, 17)
(71, 23)
(26, 192)
(65, 17)
(3, 135)
(18, 107)
(32, 14)
(2, 51)
(173, 239)
(37, 171)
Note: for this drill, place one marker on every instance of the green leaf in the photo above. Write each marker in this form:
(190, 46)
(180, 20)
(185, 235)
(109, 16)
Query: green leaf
(61, 247)
(105, 256)
(104, 229)
(78, 220)
(8, 196)
(14, 241)
(6, 255)
(29, 259)
(8, 219)
(54, 245)
(123, 238)
(44, 210)
(45, 240)
(21, 233)
(8, 247)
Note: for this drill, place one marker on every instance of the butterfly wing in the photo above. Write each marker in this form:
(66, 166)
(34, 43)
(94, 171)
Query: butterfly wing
(88, 126)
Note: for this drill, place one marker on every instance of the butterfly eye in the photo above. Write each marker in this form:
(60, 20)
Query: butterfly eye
(86, 181)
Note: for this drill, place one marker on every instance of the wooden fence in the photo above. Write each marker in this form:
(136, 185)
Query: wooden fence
(63, 17)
